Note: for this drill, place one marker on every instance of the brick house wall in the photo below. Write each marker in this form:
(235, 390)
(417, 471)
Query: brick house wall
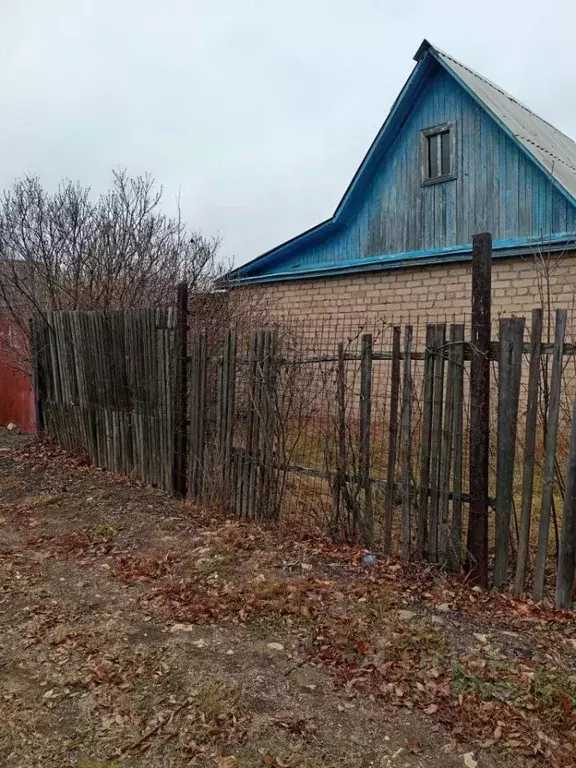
(421, 294)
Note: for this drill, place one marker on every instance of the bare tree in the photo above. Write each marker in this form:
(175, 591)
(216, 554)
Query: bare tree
(66, 250)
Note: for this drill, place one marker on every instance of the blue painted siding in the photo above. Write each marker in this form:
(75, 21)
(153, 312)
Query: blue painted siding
(497, 188)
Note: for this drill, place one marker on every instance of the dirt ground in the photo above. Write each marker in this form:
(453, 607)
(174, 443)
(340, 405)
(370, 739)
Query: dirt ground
(140, 631)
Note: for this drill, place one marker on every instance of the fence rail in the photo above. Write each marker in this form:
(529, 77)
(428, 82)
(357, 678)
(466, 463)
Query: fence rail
(546, 350)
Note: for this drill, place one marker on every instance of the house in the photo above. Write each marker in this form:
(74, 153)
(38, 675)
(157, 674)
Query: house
(456, 155)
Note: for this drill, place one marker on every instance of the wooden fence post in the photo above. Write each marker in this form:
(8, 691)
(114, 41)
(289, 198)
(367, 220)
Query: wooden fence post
(529, 446)
(550, 454)
(477, 540)
(180, 411)
(367, 523)
(511, 337)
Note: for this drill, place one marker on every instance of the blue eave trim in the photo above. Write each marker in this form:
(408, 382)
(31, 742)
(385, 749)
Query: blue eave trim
(305, 239)
(501, 249)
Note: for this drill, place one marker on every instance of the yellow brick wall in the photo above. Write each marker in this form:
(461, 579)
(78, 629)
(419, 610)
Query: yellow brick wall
(421, 294)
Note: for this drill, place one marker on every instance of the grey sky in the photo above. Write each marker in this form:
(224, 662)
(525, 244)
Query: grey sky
(259, 111)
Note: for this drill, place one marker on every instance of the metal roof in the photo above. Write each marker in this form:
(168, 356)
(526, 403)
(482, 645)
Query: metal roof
(555, 151)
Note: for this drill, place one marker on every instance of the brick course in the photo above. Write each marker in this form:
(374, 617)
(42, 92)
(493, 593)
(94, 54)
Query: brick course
(421, 294)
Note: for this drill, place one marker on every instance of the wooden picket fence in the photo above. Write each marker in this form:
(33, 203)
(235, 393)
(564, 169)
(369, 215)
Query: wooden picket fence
(415, 441)
(104, 386)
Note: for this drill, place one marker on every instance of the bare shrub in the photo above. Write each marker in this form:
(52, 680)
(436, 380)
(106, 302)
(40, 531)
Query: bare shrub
(67, 250)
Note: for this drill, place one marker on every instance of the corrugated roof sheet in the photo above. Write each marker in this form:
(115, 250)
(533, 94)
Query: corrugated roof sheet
(555, 151)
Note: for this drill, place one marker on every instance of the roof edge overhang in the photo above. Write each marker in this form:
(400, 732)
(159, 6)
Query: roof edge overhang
(500, 249)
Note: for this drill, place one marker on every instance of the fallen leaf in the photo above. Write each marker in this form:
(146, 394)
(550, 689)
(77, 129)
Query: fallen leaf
(100, 673)
(226, 762)
(469, 760)
(415, 747)
(523, 608)
(182, 628)
(431, 709)
(275, 647)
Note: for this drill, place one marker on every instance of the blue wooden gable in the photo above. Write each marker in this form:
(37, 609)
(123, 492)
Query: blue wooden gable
(388, 217)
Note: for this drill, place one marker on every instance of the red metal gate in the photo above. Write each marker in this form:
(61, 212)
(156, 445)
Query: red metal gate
(16, 396)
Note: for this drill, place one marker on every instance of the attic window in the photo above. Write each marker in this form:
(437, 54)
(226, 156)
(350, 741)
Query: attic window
(438, 146)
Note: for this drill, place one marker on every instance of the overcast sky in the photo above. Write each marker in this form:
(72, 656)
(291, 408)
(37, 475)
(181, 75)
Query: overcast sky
(258, 111)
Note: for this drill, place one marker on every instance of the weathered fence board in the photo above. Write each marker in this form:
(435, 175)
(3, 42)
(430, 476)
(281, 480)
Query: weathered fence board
(367, 523)
(509, 374)
(457, 343)
(528, 460)
(107, 383)
(425, 439)
(406, 431)
(567, 548)
(550, 454)
(340, 458)
(436, 447)
(392, 438)
(446, 458)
